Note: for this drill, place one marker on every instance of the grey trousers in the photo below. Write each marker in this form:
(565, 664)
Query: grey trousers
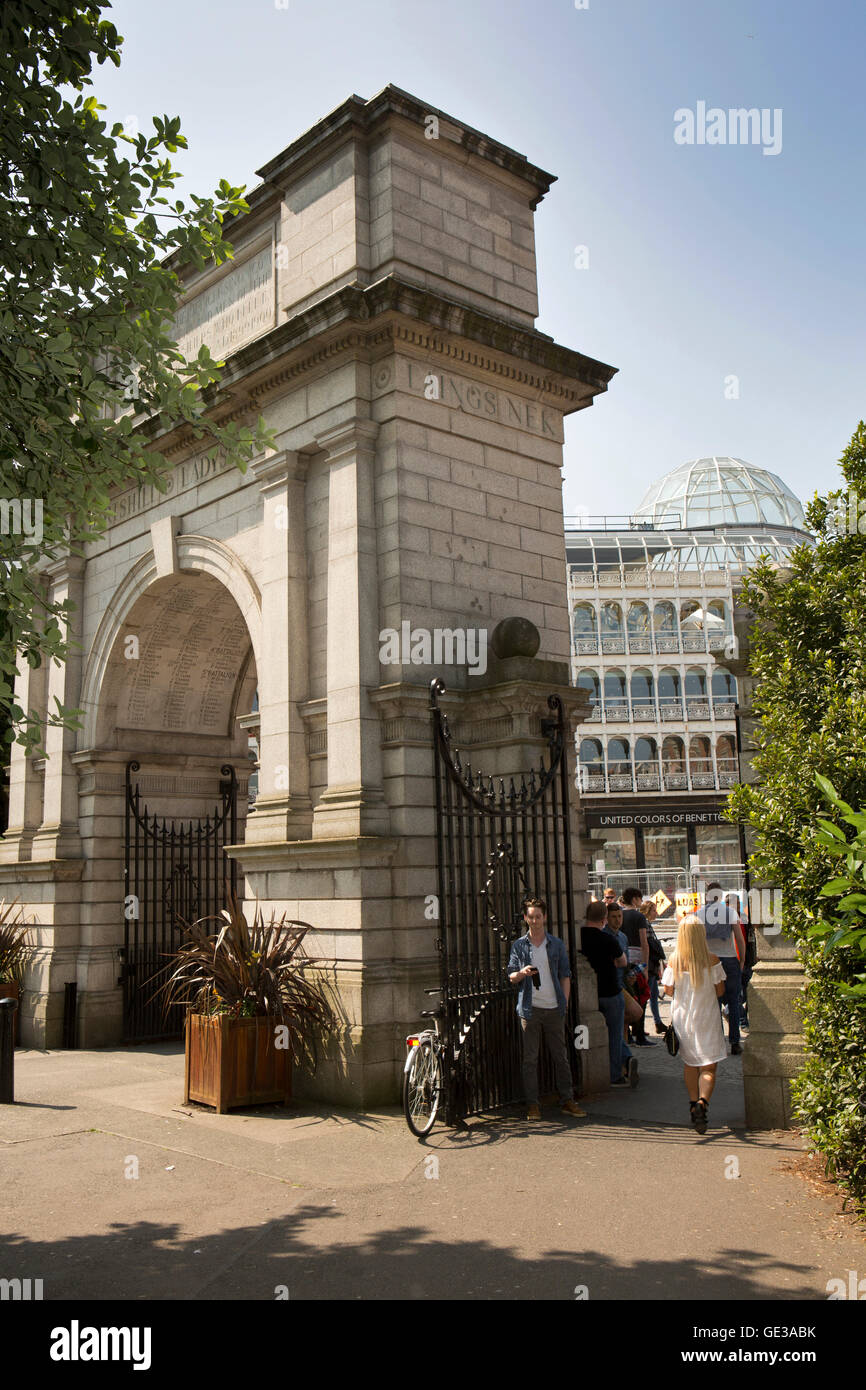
(551, 1023)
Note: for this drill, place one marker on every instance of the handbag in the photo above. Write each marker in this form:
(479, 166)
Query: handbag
(672, 1042)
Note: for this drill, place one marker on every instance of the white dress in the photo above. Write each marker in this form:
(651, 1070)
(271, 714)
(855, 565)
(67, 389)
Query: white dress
(696, 1017)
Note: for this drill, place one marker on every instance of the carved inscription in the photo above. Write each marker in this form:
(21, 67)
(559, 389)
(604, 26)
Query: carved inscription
(231, 312)
(189, 663)
(459, 393)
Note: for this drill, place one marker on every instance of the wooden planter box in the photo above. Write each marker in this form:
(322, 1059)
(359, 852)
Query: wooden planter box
(11, 991)
(232, 1062)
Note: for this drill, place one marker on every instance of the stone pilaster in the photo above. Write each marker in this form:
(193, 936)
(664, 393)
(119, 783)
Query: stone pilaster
(283, 809)
(353, 802)
(58, 837)
(26, 773)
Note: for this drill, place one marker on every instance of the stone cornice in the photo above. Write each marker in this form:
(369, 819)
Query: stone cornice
(369, 322)
(361, 118)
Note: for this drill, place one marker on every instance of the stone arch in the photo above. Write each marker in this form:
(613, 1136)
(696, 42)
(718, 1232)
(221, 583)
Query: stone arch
(195, 555)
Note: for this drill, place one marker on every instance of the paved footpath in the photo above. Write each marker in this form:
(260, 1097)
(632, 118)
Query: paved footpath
(628, 1203)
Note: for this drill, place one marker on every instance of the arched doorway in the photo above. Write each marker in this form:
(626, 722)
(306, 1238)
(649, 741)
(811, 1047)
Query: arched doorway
(174, 717)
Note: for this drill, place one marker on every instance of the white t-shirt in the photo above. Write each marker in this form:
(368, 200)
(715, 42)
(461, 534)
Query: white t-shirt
(545, 996)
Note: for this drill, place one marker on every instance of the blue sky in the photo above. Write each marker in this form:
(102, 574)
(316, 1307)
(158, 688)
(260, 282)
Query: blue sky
(705, 261)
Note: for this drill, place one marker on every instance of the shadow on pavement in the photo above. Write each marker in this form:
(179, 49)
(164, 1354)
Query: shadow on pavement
(148, 1260)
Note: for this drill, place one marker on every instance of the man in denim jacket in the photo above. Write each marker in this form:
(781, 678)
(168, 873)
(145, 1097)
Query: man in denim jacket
(539, 965)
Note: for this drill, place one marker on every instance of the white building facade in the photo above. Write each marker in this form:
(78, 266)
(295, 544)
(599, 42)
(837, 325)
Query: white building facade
(651, 604)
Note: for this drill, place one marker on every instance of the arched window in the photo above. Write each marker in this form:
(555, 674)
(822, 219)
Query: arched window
(584, 621)
(610, 622)
(697, 706)
(724, 685)
(669, 684)
(673, 754)
(638, 618)
(588, 680)
(696, 683)
(618, 758)
(590, 776)
(689, 607)
(591, 754)
(665, 619)
(717, 608)
(615, 695)
(668, 690)
(646, 764)
(726, 760)
(726, 748)
(638, 622)
(642, 694)
(700, 757)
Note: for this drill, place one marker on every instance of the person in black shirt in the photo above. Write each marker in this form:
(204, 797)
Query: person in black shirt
(604, 955)
(636, 928)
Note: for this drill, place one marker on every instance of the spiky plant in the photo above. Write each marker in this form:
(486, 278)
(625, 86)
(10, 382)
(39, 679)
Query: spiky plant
(14, 943)
(251, 971)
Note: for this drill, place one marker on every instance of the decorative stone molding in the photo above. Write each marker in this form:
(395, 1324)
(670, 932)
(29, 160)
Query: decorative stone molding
(315, 716)
(355, 851)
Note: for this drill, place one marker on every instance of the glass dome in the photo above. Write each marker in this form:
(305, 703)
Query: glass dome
(719, 492)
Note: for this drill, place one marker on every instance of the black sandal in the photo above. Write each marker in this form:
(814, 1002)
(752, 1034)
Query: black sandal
(699, 1115)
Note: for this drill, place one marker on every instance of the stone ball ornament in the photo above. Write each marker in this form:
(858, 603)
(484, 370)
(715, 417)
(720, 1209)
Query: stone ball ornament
(515, 637)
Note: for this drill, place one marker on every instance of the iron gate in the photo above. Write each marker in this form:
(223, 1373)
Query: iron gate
(173, 873)
(496, 846)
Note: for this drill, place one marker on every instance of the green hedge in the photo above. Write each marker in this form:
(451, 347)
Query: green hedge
(830, 1092)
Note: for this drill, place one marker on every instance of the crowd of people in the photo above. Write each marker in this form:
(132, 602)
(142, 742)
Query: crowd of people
(707, 975)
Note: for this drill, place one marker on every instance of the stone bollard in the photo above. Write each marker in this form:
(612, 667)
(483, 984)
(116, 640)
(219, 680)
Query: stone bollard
(595, 1058)
(773, 1053)
(7, 1050)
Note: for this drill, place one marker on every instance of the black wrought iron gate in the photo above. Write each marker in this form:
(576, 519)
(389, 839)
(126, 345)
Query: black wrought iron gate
(496, 846)
(173, 873)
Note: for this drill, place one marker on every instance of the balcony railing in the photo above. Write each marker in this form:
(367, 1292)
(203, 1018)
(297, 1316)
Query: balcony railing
(676, 781)
(663, 643)
(619, 711)
(645, 777)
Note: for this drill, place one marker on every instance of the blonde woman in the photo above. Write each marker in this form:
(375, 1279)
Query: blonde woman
(695, 978)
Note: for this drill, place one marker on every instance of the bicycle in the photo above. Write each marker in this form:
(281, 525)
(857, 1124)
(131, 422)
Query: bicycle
(422, 1074)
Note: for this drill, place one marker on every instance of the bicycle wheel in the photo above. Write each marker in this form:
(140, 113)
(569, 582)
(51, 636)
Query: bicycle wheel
(422, 1087)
